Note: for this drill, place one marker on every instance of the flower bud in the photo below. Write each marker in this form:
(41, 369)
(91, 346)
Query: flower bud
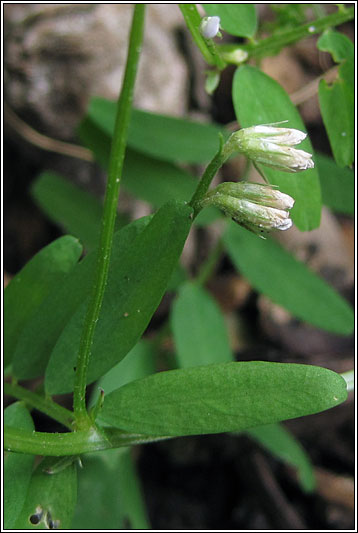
(271, 146)
(209, 27)
(259, 208)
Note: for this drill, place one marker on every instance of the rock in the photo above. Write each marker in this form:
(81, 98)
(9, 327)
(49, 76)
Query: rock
(58, 56)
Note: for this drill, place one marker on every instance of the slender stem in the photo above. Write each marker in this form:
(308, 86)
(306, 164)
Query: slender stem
(280, 40)
(206, 179)
(74, 443)
(45, 405)
(193, 20)
(109, 214)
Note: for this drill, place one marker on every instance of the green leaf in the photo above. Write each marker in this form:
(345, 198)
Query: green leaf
(199, 328)
(136, 284)
(222, 397)
(283, 445)
(17, 466)
(237, 19)
(139, 363)
(337, 44)
(287, 282)
(40, 335)
(337, 185)
(339, 96)
(109, 494)
(72, 208)
(29, 288)
(51, 499)
(337, 107)
(259, 99)
(149, 179)
(134, 510)
(161, 136)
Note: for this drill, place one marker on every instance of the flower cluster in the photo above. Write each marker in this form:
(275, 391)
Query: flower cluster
(259, 208)
(271, 146)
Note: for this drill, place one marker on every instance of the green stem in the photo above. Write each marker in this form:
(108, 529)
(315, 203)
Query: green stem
(74, 443)
(109, 214)
(204, 184)
(44, 405)
(206, 46)
(293, 35)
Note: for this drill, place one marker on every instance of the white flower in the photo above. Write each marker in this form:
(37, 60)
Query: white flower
(209, 27)
(259, 208)
(271, 146)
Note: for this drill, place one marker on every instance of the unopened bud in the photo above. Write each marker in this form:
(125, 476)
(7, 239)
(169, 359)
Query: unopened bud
(209, 27)
(271, 146)
(259, 208)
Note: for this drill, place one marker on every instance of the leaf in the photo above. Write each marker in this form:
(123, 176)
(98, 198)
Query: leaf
(109, 493)
(134, 290)
(76, 210)
(237, 19)
(337, 185)
(149, 179)
(51, 499)
(17, 466)
(137, 364)
(40, 335)
(339, 96)
(161, 136)
(134, 510)
(222, 397)
(29, 288)
(283, 445)
(337, 44)
(259, 99)
(199, 328)
(337, 107)
(287, 282)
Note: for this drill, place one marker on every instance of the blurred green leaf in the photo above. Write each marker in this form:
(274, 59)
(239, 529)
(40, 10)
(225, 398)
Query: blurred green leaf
(199, 328)
(283, 445)
(109, 495)
(160, 136)
(144, 177)
(337, 99)
(237, 19)
(136, 284)
(72, 208)
(30, 287)
(17, 466)
(287, 282)
(222, 397)
(259, 99)
(51, 499)
(40, 335)
(337, 44)
(337, 108)
(337, 185)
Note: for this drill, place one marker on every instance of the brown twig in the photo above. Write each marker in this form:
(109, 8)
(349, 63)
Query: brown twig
(42, 141)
